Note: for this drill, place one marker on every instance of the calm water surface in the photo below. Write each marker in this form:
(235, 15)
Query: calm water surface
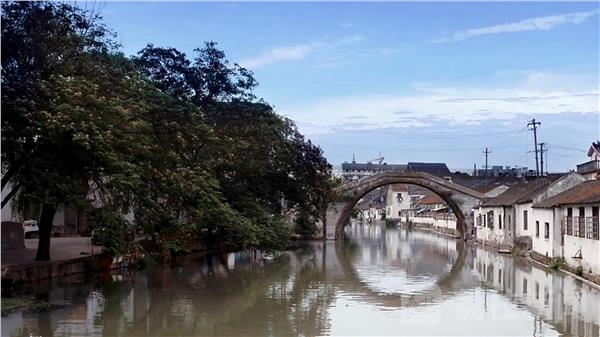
(380, 282)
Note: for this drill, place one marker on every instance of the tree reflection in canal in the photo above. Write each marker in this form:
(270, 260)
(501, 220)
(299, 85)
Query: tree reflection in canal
(381, 281)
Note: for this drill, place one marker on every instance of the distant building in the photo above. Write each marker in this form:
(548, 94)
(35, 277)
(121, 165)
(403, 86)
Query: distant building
(397, 200)
(372, 206)
(354, 171)
(591, 168)
(437, 169)
(506, 171)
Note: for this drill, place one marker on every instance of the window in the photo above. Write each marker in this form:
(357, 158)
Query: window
(525, 220)
(490, 219)
(524, 286)
(499, 221)
(594, 224)
(537, 290)
(537, 229)
(509, 222)
(547, 231)
(399, 197)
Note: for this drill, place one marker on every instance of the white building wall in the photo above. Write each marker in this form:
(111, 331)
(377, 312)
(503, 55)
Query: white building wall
(494, 235)
(393, 206)
(541, 244)
(588, 249)
(520, 220)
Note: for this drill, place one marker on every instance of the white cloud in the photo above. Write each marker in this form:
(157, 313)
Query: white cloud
(279, 54)
(300, 51)
(539, 23)
(533, 94)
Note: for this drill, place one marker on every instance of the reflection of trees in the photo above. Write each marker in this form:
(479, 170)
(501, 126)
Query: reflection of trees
(286, 297)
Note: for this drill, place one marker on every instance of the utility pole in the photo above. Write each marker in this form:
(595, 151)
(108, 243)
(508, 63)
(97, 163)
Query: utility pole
(535, 125)
(486, 160)
(542, 150)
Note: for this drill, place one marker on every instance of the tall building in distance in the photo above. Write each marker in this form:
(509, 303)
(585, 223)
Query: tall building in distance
(354, 171)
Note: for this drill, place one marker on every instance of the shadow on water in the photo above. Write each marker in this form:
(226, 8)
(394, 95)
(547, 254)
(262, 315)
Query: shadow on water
(318, 289)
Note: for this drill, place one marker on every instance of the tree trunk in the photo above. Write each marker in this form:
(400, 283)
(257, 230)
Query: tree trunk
(45, 232)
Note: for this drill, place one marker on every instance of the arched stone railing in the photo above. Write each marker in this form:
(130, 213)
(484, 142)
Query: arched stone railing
(459, 198)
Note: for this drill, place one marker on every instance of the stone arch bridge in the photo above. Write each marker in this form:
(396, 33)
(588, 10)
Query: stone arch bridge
(459, 198)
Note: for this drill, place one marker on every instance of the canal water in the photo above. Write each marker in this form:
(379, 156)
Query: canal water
(380, 281)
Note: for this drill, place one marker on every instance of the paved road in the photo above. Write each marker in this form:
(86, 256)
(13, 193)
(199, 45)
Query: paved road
(60, 249)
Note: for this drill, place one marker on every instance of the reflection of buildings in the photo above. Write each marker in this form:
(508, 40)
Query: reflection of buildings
(561, 300)
(241, 294)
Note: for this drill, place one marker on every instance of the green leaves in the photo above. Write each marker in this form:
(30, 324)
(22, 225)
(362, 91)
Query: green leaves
(183, 142)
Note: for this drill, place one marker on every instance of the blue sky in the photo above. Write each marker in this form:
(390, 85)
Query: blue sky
(414, 81)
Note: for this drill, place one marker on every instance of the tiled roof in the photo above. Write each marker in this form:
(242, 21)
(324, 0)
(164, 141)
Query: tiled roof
(521, 193)
(431, 199)
(483, 182)
(585, 193)
(486, 188)
(375, 199)
(437, 169)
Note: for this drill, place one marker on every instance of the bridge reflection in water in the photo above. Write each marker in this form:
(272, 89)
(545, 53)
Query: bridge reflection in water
(380, 281)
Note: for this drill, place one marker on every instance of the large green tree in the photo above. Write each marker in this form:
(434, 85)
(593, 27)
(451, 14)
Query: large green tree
(261, 157)
(69, 105)
(184, 143)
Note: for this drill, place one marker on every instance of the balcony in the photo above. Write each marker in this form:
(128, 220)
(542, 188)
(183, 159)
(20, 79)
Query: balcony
(590, 166)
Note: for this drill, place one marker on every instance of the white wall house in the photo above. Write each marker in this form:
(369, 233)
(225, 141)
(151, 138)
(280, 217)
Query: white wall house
(490, 223)
(546, 188)
(542, 225)
(591, 168)
(569, 226)
(397, 200)
(432, 210)
(67, 220)
(501, 220)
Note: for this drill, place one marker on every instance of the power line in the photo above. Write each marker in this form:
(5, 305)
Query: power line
(566, 148)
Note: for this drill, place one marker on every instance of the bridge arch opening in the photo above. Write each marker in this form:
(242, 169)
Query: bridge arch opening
(458, 198)
(344, 219)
